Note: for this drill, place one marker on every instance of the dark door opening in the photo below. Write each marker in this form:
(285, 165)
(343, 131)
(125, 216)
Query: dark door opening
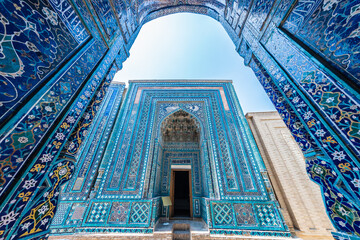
(181, 194)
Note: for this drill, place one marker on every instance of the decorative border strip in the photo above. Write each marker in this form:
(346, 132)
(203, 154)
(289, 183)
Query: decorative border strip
(249, 233)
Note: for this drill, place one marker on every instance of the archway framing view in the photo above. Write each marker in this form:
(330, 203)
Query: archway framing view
(58, 58)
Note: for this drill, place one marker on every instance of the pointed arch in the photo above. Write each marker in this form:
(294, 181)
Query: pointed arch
(161, 121)
(180, 126)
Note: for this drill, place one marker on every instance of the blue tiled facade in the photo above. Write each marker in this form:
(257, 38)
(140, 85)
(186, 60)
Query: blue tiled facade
(58, 58)
(134, 170)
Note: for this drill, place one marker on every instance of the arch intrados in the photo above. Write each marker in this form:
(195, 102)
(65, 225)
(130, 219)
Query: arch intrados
(170, 10)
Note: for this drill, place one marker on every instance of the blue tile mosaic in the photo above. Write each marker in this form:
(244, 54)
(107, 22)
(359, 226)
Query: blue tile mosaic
(57, 59)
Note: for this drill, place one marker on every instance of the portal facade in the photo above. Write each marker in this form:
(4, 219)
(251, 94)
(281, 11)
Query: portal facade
(187, 140)
(58, 57)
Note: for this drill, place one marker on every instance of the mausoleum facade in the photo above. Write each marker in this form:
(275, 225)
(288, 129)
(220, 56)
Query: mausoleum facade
(166, 135)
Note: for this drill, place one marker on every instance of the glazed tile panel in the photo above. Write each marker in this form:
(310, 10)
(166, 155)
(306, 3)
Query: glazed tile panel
(165, 7)
(132, 167)
(325, 171)
(107, 18)
(88, 160)
(259, 13)
(38, 213)
(44, 164)
(92, 214)
(236, 13)
(247, 215)
(35, 40)
(67, 14)
(331, 28)
(77, 138)
(325, 138)
(305, 142)
(320, 169)
(87, 18)
(23, 138)
(341, 108)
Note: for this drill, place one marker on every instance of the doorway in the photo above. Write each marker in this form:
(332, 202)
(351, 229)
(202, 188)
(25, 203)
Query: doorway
(181, 194)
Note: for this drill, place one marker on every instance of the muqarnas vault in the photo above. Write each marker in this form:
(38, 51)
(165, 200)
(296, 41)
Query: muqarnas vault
(185, 139)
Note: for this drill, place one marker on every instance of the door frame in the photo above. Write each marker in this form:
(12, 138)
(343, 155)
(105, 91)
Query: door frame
(172, 191)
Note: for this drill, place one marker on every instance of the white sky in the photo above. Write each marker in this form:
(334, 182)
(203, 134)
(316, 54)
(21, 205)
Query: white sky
(191, 46)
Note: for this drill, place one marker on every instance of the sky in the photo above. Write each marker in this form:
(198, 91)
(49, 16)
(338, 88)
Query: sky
(191, 46)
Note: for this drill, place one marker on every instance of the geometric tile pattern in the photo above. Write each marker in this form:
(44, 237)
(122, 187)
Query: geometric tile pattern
(78, 213)
(253, 234)
(223, 214)
(235, 214)
(244, 214)
(266, 215)
(197, 209)
(204, 209)
(119, 212)
(140, 212)
(98, 212)
(60, 214)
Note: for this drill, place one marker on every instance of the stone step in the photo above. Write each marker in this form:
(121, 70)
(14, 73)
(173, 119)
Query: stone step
(181, 231)
(181, 235)
(181, 238)
(181, 226)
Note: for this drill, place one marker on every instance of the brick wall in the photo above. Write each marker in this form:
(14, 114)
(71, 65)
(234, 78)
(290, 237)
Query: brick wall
(300, 199)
